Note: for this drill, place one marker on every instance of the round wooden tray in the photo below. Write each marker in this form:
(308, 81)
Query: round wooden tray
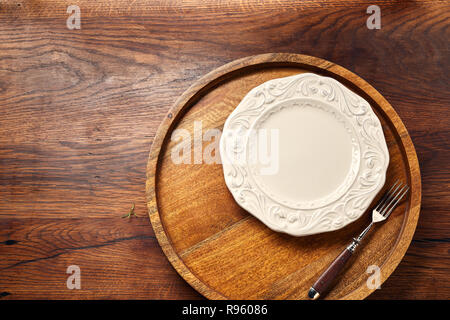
(223, 251)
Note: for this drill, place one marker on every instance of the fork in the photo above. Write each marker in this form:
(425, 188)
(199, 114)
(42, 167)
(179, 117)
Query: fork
(381, 212)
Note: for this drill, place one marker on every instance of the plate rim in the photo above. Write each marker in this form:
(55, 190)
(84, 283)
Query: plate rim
(311, 63)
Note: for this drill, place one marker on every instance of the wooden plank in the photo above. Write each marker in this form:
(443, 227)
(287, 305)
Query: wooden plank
(79, 110)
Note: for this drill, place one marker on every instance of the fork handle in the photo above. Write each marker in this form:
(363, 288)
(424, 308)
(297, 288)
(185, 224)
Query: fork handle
(325, 280)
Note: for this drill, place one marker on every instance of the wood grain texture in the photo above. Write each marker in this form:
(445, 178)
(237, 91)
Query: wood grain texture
(220, 249)
(79, 110)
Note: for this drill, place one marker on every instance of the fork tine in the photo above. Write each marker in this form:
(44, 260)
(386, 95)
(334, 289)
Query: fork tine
(385, 196)
(389, 197)
(386, 215)
(393, 197)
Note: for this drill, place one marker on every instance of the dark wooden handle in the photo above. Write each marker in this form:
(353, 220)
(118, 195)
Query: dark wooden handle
(321, 285)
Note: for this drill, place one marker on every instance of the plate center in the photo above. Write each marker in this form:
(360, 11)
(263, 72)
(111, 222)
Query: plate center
(310, 148)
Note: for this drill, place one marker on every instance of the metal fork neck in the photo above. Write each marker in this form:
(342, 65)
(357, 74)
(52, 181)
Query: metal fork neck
(365, 231)
(357, 240)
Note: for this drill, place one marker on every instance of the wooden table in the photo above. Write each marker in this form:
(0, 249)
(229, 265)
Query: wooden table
(79, 110)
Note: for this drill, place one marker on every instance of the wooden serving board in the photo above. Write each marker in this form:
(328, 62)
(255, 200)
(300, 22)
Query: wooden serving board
(223, 251)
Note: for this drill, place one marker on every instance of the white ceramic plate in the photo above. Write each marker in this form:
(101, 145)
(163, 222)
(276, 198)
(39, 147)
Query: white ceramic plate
(304, 154)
